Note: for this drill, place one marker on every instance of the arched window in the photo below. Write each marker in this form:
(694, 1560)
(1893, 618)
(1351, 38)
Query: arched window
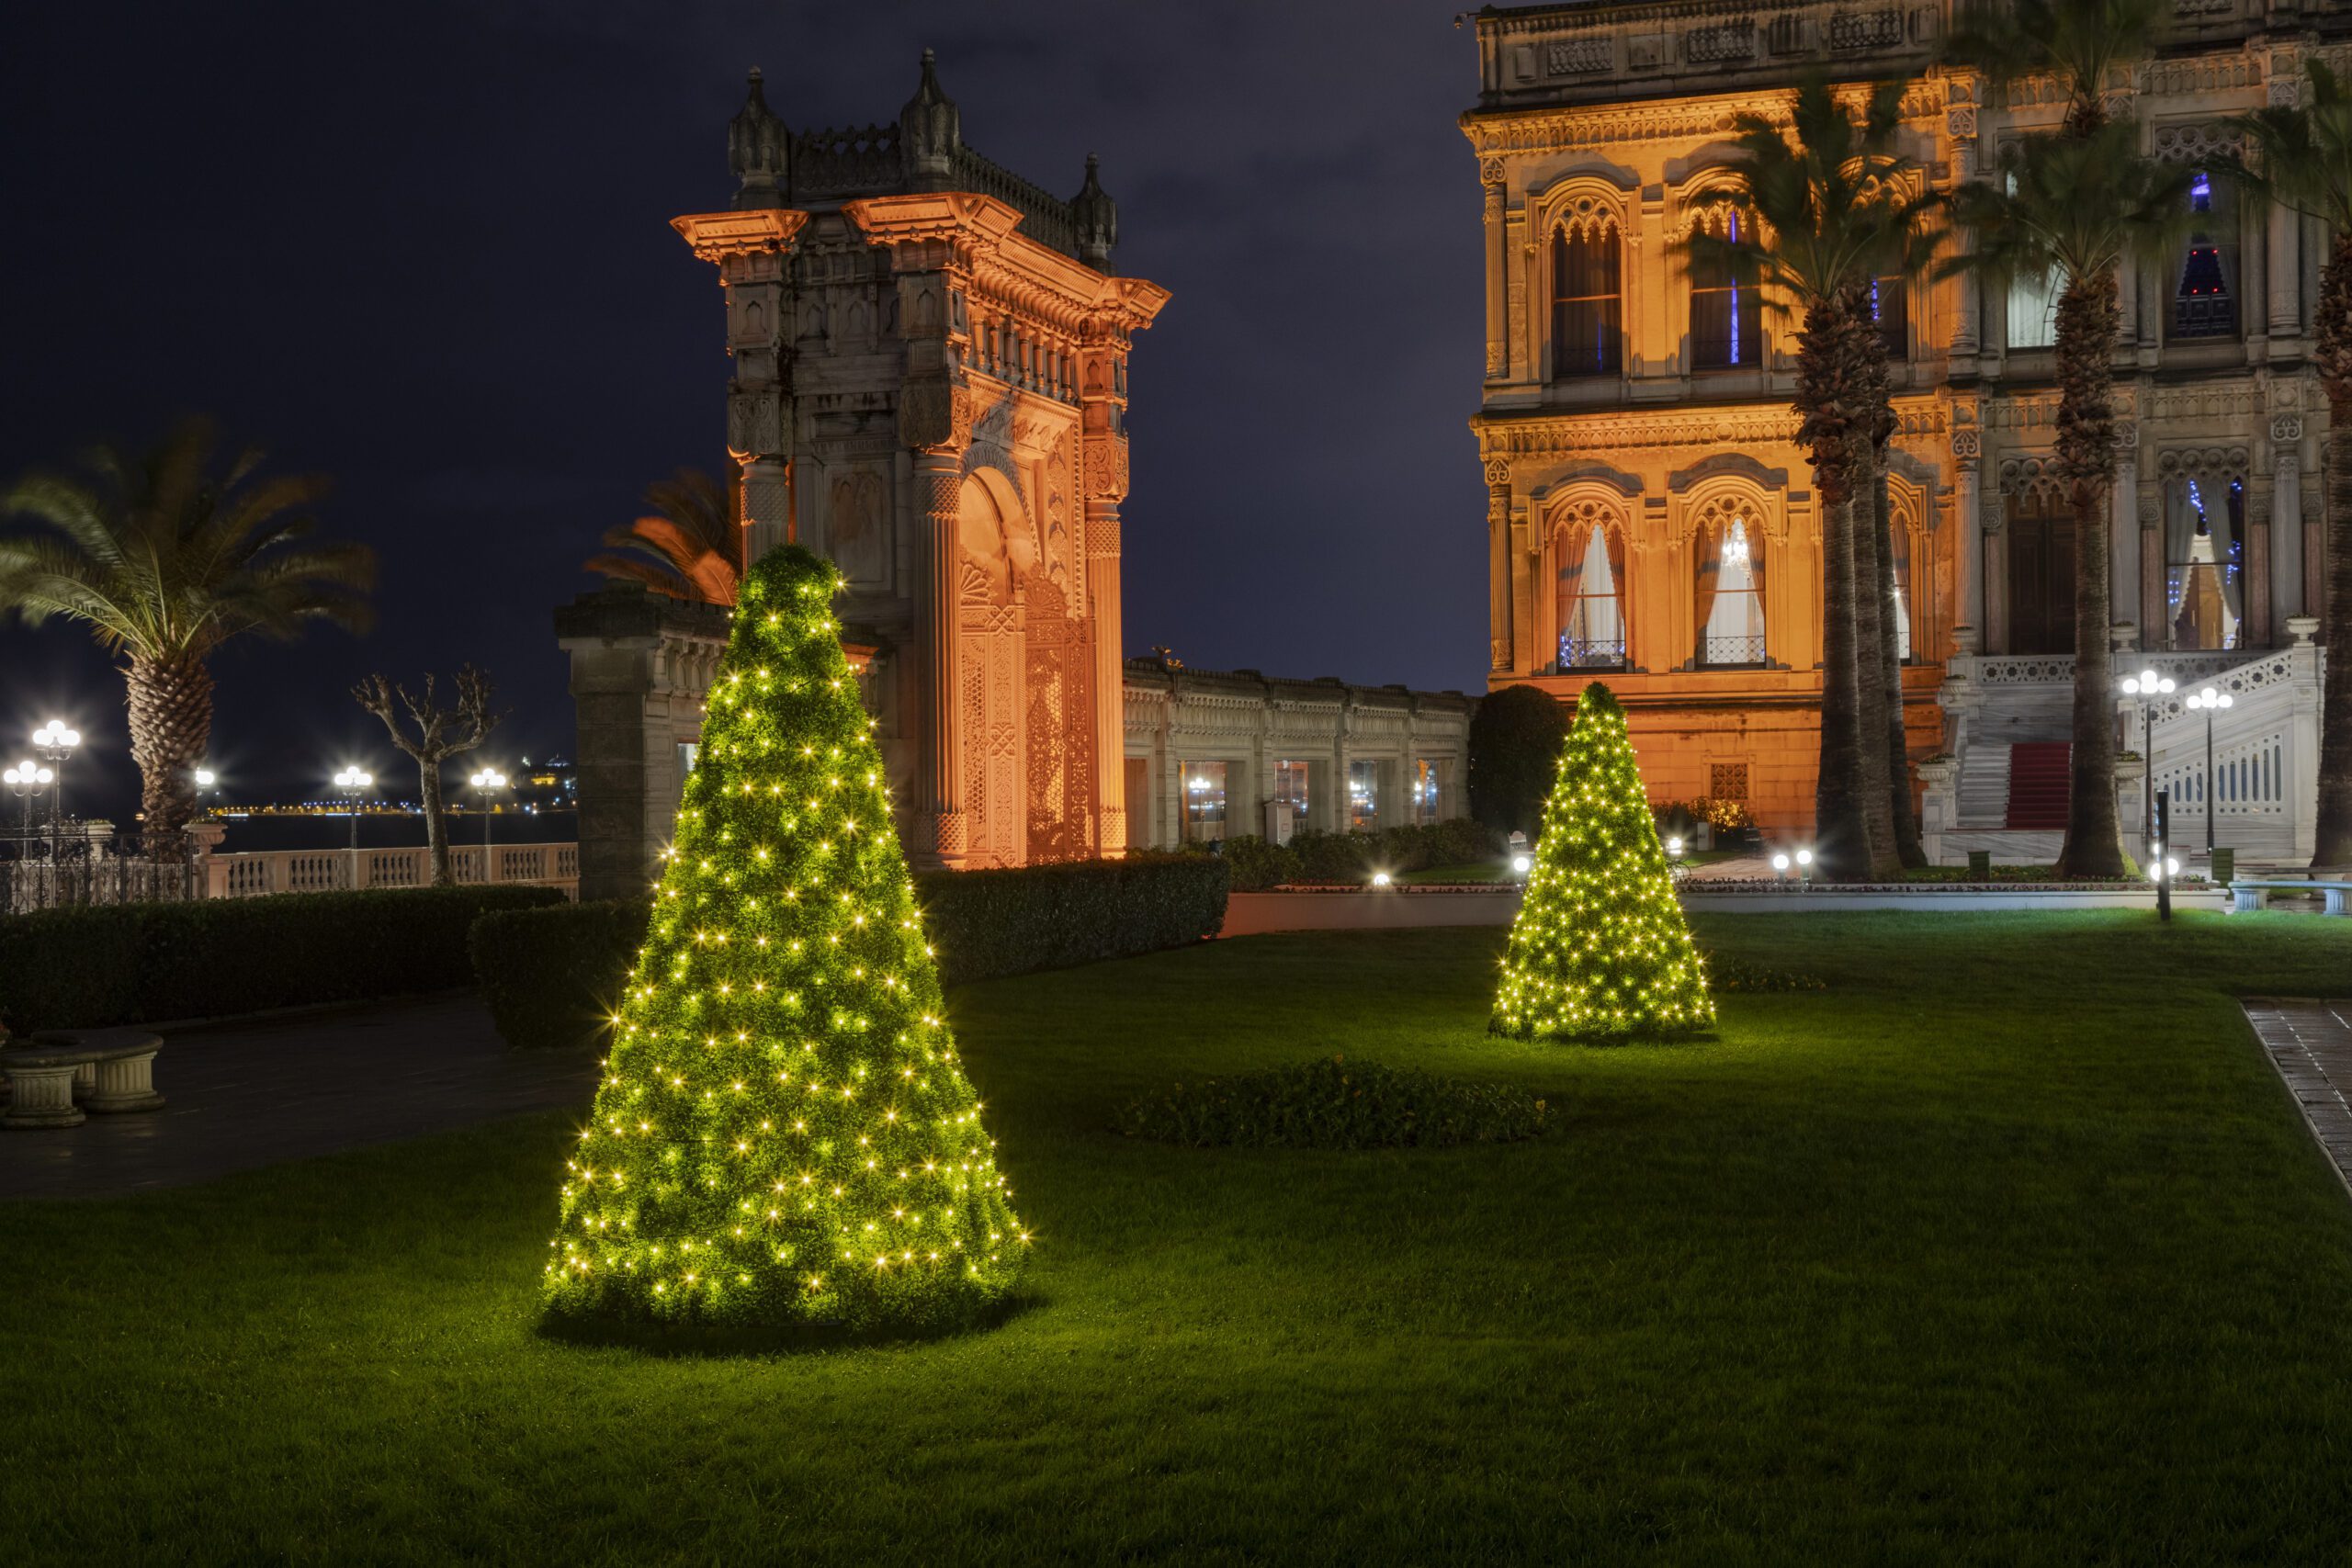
(1726, 316)
(2205, 561)
(1591, 597)
(2204, 304)
(1891, 308)
(1588, 332)
(1899, 541)
(1730, 592)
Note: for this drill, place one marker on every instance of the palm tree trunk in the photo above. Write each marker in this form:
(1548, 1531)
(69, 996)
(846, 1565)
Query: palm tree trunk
(2334, 843)
(1841, 845)
(171, 724)
(1907, 849)
(2088, 315)
(436, 826)
(1870, 689)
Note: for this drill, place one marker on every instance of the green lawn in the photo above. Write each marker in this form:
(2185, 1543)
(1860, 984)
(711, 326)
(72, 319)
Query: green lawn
(2009, 1249)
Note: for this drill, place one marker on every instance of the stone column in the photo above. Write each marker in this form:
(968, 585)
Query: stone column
(1968, 539)
(941, 833)
(2124, 518)
(1110, 674)
(1490, 172)
(2155, 617)
(1498, 594)
(2283, 283)
(2286, 519)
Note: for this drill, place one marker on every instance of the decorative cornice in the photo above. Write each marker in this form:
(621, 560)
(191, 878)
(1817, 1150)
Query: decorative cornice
(714, 236)
(1504, 436)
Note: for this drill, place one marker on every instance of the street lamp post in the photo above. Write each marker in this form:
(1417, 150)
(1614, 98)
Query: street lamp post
(2210, 701)
(487, 782)
(56, 743)
(27, 780)
(2151, 689)
(353, 781)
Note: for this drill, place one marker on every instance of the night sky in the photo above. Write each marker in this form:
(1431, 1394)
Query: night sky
(424, 248)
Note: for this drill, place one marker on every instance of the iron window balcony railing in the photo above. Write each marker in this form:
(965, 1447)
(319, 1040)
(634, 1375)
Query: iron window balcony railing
(2204, 315)
(1589, 653)
(1730, 652)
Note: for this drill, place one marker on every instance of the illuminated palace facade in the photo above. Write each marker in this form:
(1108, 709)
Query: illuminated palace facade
(1650, 520)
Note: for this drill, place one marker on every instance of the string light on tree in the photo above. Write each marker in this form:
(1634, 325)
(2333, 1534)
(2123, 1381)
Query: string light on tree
(1600, 949)
(783, 1134)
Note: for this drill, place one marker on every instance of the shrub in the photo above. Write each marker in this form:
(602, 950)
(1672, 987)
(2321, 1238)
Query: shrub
(991, 923)
(1258, 865)
(1333, 1104)
(1353, 857)
(1515, 740)
(90, 968)
(1739, 974)
(550, 974)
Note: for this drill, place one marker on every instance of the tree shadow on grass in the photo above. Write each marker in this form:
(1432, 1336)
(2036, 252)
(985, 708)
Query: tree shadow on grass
(673, 1342)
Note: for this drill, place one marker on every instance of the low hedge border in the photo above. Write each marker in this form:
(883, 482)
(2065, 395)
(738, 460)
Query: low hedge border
(551, 976)
(1353, 857)
(91, 968)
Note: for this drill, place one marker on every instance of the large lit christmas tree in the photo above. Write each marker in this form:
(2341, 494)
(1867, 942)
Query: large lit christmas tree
(784, 1136)
(1600, 949)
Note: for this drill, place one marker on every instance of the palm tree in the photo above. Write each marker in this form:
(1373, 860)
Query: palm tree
(1825, 199)
(692, 545)
(2305, 162)
(2082, 43)
(164, 563)
(2079, 207)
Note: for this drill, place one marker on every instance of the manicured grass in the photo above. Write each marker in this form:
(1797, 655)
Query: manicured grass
(2008, 1249)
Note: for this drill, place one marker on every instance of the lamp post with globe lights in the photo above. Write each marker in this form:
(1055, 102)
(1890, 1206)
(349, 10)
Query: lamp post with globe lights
(26, 780)
(486, 783)
(2149, 689)
(354, 782)
(2210, 701)
(55, 742)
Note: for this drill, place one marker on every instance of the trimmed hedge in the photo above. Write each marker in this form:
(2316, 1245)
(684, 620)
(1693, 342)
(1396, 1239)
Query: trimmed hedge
(550, 974)
(90, 968)
(1353, 857)
(1335, 1104)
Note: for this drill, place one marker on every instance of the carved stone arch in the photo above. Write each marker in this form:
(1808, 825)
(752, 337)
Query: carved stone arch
(1626, 487)
(2025, 477)
(1728, 464)
(2209, 463)
(1719, 499)
(1583, 202)
(2195, 142)
(1918, 471)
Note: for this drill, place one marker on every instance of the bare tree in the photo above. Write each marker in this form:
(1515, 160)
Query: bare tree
(440, 733)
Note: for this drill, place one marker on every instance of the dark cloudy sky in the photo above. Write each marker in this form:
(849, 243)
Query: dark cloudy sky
(424, 247)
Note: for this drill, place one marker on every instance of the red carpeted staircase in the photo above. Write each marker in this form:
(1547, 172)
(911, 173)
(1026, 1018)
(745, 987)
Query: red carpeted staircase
(2037, 784)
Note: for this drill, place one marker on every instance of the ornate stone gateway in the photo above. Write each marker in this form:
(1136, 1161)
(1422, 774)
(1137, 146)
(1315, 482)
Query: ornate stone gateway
(930, 385)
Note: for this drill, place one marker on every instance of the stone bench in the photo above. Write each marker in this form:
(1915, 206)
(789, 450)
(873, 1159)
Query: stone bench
(57, 1075)
(2248, 894)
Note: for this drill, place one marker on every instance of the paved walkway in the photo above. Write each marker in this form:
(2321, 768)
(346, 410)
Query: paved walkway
(2311, 1044)
(242, 1095)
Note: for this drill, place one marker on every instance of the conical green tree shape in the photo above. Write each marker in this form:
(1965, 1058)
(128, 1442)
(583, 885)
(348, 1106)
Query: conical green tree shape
(784, 1136)
(1600, 949)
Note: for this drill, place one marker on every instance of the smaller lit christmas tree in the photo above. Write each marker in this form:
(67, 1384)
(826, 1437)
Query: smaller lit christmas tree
(1600, 949)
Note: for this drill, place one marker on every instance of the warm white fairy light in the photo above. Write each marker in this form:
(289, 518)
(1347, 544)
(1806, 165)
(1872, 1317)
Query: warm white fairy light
(1600, 948)
(743, 1073)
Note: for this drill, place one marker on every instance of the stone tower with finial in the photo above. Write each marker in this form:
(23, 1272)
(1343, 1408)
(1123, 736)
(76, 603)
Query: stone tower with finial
(930, 386)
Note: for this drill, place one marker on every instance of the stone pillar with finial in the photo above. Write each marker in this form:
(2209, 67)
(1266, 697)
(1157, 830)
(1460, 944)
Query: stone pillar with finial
(758, 410)
(930, 132)
(1096, 217)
